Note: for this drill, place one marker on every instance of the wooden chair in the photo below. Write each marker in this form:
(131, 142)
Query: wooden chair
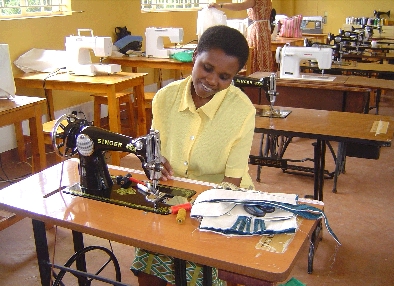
(47, 128)
(122, 99)
(148, 97)
(247, 70)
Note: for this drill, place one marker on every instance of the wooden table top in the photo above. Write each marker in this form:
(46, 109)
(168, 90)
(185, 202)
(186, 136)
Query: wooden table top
(328, 125)
(366, 67)
(21, 80)
(280, 42)
(154, 232)
(19, 102)
(341, 82)
(17, 110)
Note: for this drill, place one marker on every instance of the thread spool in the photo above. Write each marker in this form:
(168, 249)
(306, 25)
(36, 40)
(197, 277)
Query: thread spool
(181, 216)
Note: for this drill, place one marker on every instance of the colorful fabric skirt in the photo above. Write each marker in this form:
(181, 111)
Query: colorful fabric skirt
(162, 266)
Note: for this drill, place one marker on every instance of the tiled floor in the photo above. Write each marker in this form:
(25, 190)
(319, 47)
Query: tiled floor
(360, 214)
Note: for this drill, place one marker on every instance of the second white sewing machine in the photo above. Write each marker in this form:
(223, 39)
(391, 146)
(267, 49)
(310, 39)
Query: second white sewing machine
(154, 41)
(78, 53)
(290, 57)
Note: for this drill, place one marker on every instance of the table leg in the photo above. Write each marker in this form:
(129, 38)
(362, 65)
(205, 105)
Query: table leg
(319, 165)
(50, 107)
(20, 141)
(207, 275)
(80, 261)
(42, 252)
(180, 272)
(37, 141)
(339, 164)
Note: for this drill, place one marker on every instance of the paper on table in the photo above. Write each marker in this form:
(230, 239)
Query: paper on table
(380, 127)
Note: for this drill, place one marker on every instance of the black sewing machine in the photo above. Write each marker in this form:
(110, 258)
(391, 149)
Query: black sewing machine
(268, 84)
(377, 14)
(74, 136)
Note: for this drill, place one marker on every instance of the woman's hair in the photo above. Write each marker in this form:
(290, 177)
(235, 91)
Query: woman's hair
(230, 40)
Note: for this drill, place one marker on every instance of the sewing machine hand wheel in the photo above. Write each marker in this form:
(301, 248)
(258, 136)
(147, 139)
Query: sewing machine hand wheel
(59, 136)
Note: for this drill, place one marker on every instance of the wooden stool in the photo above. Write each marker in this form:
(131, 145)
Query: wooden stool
(121, 98)
(148, 97)
(47, 128)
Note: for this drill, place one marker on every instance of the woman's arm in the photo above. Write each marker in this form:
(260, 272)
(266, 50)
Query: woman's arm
(234, 181)
(233, 6)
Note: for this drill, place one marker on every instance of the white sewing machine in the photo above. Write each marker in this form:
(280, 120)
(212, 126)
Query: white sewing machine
(289, 59)
(154, 41)
(78, 53)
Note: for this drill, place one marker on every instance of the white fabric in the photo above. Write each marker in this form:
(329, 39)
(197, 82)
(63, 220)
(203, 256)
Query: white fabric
(208, 17)
(41, 60)
(231, 217)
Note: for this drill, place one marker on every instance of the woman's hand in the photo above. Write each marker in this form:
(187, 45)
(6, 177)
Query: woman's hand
(166, 172)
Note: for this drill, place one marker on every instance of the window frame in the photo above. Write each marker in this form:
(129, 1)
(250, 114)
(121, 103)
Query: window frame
(155, 3)
(155, 6)
(58, 8)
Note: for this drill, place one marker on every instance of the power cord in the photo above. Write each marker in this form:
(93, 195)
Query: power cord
(44, 87)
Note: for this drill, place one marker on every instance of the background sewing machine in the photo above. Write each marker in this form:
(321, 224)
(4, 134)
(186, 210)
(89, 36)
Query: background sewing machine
(312, 25)
(289, 59)
(154, 41)
(78, 53)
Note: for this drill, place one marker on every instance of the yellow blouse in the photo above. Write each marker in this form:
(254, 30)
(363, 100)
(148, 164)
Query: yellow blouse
(207, 143)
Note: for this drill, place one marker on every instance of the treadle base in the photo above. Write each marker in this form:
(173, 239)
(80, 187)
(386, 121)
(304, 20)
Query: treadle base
(283, 164)
(307, 171)
(132, 198)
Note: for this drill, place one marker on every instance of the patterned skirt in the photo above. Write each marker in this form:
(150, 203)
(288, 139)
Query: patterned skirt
(162, 266)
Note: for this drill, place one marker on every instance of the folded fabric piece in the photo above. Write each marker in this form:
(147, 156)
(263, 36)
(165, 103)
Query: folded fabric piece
(223, 211)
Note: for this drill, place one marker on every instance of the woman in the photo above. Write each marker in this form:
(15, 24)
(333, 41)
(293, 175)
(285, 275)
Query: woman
(206, 129)
(259, 32)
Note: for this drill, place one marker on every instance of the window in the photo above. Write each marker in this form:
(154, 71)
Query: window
(172, 5)
(176, 5)
(17, 9)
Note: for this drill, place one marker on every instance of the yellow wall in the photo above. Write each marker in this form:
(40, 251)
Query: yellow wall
(104, 15)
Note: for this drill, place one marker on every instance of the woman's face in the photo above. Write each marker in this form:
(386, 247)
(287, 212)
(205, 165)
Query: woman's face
(213, 71)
